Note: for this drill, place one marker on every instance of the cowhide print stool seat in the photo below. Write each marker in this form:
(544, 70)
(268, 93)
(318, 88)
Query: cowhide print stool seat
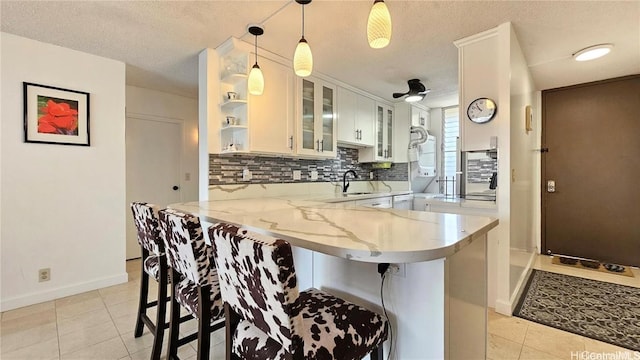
(266, 316)
(154, 265)
(196, 285)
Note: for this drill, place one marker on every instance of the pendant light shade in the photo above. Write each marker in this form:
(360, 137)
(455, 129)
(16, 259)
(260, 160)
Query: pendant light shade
(302, 57)
(379, 25)
(256, 79)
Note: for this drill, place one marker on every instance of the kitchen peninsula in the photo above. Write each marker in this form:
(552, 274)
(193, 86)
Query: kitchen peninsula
(437, 299)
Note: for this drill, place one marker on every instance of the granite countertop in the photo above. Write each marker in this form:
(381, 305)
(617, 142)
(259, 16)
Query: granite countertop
(358, 233)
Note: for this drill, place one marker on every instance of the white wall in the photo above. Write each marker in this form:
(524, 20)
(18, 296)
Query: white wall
(61, 205)
(492, 65)
(481, 75)
(141, 101)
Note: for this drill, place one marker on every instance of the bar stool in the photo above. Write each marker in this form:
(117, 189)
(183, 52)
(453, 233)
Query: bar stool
(266, 316)
(154, 265)
(198, 291)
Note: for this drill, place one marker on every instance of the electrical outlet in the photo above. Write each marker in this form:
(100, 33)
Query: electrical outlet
(314, 175)
(370, 175)
(187, 176)
(297, 174)
(44, 275)
(397, 270)
(246, 175)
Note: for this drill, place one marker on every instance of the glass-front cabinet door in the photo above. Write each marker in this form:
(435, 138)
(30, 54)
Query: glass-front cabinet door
(308, 115)
(384, 132)
(380, 148)
(317, 135)
(389, 133)
(328, 119)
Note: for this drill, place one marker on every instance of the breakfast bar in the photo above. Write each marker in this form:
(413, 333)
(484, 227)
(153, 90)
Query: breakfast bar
(436, 296)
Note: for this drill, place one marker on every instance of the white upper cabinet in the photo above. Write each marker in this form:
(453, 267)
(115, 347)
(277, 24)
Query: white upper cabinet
(383, 149)
(272, 113)
(317, 118)
(356, 119)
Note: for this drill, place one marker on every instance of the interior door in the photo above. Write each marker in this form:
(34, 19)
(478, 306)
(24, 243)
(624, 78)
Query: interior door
(153, 149)
(591, 172)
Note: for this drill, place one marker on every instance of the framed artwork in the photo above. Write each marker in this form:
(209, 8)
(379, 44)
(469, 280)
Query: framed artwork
(55, 116)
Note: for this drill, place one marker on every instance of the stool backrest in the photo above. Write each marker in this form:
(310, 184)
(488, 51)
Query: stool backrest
(258, 281)
(187, 252)
(145, 217)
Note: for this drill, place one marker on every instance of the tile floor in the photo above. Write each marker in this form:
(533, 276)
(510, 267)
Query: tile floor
(519, 339)
(99, 325)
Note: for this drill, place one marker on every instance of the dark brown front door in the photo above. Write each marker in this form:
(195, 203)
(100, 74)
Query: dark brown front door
(592, 133)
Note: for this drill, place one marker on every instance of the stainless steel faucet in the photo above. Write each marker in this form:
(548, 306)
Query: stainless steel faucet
(345, 184)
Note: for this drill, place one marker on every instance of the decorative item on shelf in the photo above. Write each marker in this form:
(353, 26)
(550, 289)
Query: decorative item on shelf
(231, 95)
(256, 79)
(482, 110)
(230, 120)
(528, 119)
(379, 25)
(55, 116)
(302, 58)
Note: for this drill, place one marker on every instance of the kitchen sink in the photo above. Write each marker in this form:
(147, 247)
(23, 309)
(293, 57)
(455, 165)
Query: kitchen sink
(356, 193)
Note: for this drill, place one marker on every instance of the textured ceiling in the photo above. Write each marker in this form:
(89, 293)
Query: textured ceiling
(159, 41)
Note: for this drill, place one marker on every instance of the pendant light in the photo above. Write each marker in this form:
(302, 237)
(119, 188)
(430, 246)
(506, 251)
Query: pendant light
(379, 25)
(302, 58)
(256, 79)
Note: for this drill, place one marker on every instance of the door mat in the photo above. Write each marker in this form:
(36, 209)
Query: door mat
(595, 309)
(592, 265)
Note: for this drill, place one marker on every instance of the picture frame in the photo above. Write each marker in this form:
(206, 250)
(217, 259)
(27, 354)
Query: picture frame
(54, 115)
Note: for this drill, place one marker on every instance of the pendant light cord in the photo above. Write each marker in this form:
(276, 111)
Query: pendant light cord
(256, 49)
(303, 21)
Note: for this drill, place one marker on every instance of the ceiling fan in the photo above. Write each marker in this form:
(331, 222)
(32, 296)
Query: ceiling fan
(416, 92)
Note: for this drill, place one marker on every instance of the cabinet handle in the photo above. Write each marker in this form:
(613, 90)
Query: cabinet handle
(291, 142)
(357, 135)
(322, 145)
(318, 145)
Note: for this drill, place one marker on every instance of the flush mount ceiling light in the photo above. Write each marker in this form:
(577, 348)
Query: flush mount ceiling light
(256, 79)
(302, 58)
(379, 25)
(593, 52)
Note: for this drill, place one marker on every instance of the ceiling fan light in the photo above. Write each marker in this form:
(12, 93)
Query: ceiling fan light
(379, 25)
(256, 81)
(414, 98)
(593, 52)
(302, 59)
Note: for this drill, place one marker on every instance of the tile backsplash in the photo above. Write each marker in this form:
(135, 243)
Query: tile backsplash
(481, 170)
(227, 169)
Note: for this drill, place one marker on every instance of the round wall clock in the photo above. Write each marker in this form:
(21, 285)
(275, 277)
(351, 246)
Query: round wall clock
(482, 110)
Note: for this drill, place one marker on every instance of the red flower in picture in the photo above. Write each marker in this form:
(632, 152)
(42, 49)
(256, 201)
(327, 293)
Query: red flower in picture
(58, 118)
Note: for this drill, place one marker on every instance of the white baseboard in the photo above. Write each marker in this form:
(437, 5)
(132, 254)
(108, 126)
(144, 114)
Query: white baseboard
(503, 307)
(52, 294)
(507, 307)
